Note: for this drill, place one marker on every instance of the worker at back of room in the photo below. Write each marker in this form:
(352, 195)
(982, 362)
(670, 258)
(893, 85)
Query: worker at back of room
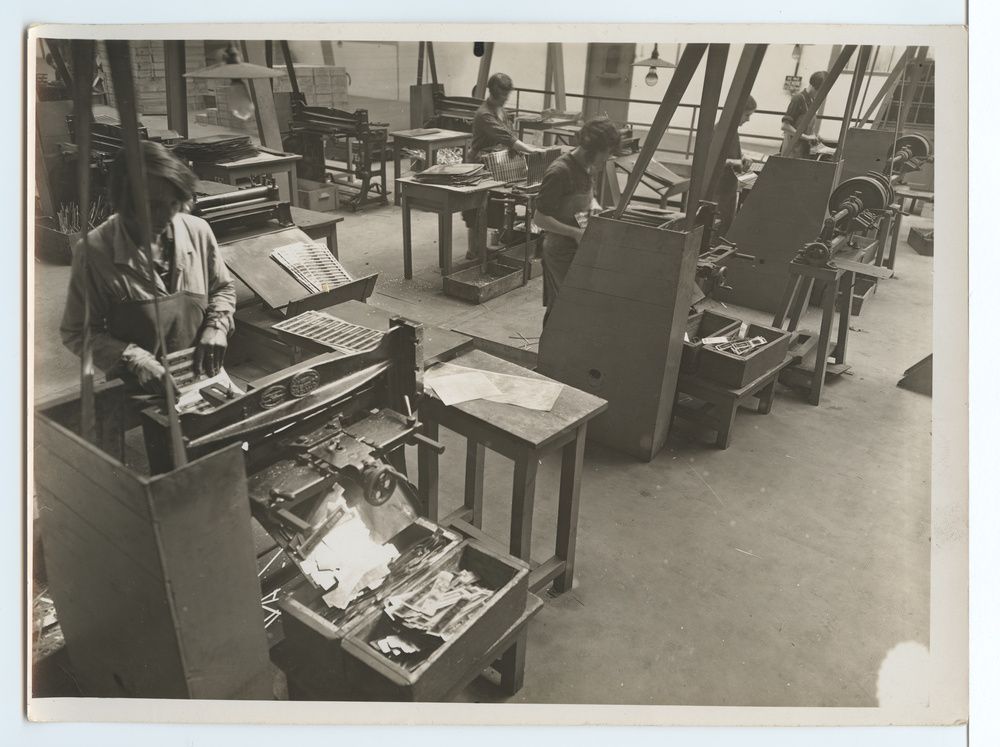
(492, 131)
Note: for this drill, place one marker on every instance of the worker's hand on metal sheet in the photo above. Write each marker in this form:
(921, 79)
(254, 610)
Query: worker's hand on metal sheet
(147, 370)
(210, 351)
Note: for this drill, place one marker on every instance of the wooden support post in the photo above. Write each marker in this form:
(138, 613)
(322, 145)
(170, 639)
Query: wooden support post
(430, 61)
(888, 85)
(263, 98)
(679, 82)
(915, 79)
(484, 70)
(736, 101)
(293, 79)
(708, 110)
(420, 63)
(174, 64)
(831, 78)
(860, 68)
(547, 96)
(328, 58)
(558, 76)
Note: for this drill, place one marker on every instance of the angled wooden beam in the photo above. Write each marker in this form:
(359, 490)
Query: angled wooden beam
(736, 101)
(888, 85)
(708, 110)
(484, 70)
(547, 96)
(420, 63)
(831, 77)
(860, 69)
(679, 82)
(174, 64)
(293, 79)
(262, 97)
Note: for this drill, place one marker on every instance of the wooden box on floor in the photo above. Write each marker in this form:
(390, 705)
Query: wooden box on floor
(319, 196)
(701, 325)
(922, 241)
(153, 578)
(739, 370)
(617, 329)
(326, 661)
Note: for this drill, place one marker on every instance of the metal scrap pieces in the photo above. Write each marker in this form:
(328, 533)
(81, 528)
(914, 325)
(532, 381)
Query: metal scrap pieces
(741, 347)
(441, 605)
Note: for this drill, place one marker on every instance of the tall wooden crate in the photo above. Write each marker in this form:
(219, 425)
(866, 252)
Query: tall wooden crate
(617, 328)
(153, 578)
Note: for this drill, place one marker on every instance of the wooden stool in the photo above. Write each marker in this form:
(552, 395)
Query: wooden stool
(525, 436)
(722, 403)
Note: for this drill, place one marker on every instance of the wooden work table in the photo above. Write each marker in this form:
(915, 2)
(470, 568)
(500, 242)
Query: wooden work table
(445, 201)
(429, 141)
(266, 161)
(525, 436)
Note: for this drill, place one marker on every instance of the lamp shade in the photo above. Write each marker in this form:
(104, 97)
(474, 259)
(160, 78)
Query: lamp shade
(654, 60)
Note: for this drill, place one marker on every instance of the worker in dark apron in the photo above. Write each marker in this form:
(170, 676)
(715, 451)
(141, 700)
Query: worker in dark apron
(795, 116)
(183, 269)
(491, 131)
(566, 199)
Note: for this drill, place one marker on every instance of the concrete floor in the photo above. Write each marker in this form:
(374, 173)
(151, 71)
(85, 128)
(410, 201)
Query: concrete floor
(778, 572)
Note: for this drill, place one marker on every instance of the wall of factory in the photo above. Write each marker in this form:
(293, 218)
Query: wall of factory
(385, 70)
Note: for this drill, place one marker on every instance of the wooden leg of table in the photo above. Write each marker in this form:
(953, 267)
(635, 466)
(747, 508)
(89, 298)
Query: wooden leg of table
(727, 419)
(396, 172)
(569, 507)
(293, 185)
(407, 241)
(823, 346)
(512, 662)
(844, 323)
(475, 462)
(787, 296)
(427, 471)
(765, 398)
(523, 505)
(397, 458)
(429, 156)
(882, 238)
(801, 301)
(444, 241)
(894, 242)
(331, 241)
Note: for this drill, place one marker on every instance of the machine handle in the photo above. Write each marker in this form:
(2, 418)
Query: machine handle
(429, 443)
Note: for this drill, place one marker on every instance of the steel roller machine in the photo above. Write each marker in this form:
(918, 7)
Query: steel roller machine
(245, 207)
(855, 206)
(359, 143)
(910, 153)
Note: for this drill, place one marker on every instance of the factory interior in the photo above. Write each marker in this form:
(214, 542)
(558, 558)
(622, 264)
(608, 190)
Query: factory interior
(667, 444)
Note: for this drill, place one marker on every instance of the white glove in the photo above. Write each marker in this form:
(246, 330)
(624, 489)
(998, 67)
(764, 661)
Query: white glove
(143, 365)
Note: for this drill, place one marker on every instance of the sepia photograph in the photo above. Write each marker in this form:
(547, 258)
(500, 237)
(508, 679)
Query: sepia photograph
(379, 364)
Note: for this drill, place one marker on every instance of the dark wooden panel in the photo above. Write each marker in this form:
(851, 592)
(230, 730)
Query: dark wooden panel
(202, 517)
(617, 329)
(785, 210)
(866, 150)
(114, 615)
(250, 261)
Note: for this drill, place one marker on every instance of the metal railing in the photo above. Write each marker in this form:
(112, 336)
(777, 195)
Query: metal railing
(690, 129)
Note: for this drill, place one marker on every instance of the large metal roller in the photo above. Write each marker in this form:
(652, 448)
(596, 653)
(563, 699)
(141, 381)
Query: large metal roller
(913, 145)
(859, 193)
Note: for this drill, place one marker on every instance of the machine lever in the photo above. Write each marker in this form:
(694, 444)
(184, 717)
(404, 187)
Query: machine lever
(430, 443)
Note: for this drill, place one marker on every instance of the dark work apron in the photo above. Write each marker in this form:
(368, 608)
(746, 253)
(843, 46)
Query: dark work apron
(558, 250)
(182, 314)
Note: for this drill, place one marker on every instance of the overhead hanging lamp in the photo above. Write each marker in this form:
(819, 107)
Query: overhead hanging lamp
(653, 62)
(237, 72)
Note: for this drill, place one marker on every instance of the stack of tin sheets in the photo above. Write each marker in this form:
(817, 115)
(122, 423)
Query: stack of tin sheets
(313, 265)
(331, 332)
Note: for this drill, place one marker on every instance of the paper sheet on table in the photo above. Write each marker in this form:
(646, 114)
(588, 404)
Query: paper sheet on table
(532, 394)
(463, 386)
(190, 395)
